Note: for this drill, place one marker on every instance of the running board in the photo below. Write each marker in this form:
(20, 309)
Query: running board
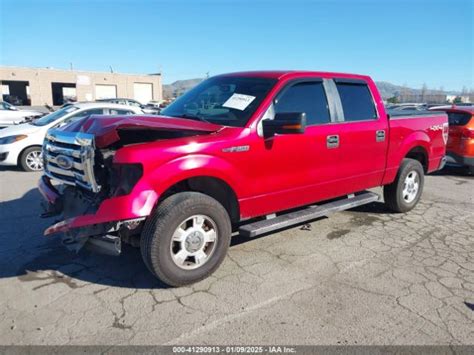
(290, 219)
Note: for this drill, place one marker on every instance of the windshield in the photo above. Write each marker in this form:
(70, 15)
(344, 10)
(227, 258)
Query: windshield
(227, 100)
(7, 106)
(45, 120)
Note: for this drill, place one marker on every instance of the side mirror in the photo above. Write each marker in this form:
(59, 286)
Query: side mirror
(285, 123)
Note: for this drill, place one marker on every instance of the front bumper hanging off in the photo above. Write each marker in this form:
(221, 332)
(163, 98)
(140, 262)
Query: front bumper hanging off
(110, 213)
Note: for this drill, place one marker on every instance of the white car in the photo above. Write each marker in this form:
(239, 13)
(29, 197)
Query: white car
(151, 109)
(21, 144)
(11, 115)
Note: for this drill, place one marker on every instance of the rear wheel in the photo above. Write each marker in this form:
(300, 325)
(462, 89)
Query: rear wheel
(404, 193)
(186, 238)
(31, 159)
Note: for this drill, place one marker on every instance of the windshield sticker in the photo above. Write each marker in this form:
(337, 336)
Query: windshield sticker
(238, 101)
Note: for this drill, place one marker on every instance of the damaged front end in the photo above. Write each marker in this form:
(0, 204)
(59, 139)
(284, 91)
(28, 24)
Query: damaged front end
(101, 202)
(88, 178)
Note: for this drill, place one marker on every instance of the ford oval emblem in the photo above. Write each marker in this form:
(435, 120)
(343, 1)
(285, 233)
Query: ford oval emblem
(64, 162)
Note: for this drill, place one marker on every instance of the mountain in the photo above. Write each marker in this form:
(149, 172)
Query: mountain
(178, 87)
(388, 90)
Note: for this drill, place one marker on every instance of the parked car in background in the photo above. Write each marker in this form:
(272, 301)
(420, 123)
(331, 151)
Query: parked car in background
(122, 101)
(21, 144)
(407, 107)
(460, 147)
(236, 147)
(130, 102)
(151, 109)
(11, 115)
(156, 104)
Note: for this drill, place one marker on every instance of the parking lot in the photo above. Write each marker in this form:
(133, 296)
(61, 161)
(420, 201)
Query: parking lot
(359, 277)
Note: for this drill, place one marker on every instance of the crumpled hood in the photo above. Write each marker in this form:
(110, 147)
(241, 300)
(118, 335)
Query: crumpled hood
(106, 128)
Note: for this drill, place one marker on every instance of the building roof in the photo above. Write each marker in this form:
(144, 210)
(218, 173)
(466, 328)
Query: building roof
(75, 71)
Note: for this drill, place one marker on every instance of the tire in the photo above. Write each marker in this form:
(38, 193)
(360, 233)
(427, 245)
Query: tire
(29, 159)
(174, 219)
(404, 193)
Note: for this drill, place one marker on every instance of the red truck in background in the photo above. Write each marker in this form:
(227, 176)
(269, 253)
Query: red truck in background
(460, 146)
(257, 151)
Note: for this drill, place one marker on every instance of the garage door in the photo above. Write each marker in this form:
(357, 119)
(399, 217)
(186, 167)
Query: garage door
(143, 92)
(105, 92)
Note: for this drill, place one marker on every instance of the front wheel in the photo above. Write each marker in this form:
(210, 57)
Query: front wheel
(31, 159)
(186, 239)
(404, 193)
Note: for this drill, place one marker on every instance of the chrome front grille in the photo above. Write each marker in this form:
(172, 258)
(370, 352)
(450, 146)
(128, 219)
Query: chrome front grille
(69, 158)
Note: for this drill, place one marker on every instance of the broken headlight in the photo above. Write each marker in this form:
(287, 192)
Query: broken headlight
(124, 177)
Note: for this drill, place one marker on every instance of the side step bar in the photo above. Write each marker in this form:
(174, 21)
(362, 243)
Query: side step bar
(290, 219)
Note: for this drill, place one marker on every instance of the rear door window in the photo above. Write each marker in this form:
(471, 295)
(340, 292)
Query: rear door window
(307, 97)
(357, 102)
(459, 118)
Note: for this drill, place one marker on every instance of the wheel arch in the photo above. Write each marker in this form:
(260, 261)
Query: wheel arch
(211, 186)
(420, 154)
(18, 160)
(210, 175)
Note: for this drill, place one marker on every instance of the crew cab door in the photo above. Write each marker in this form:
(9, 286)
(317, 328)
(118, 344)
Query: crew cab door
(363, 137)
(295, 169)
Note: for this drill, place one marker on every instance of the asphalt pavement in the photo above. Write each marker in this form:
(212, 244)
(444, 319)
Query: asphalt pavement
(365, 276)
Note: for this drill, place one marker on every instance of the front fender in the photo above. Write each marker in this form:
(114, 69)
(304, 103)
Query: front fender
(194, 165)
(142, 199)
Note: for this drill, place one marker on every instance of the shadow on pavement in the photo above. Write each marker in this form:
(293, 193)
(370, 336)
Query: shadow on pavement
(451, 170)
(373, 207)
(12, 168)
(25, 253)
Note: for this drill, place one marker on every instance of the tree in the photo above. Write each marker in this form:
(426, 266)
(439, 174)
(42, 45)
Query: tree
(405, 92)
(424, 91)
(457, 100)
(440, 96)
(393, 100)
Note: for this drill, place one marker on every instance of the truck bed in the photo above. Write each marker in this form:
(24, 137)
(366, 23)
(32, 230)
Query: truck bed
(411, 113)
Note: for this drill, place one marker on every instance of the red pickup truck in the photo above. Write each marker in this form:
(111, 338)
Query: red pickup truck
(253, 151)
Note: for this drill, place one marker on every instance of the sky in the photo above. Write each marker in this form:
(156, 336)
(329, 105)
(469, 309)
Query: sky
(400, 41)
